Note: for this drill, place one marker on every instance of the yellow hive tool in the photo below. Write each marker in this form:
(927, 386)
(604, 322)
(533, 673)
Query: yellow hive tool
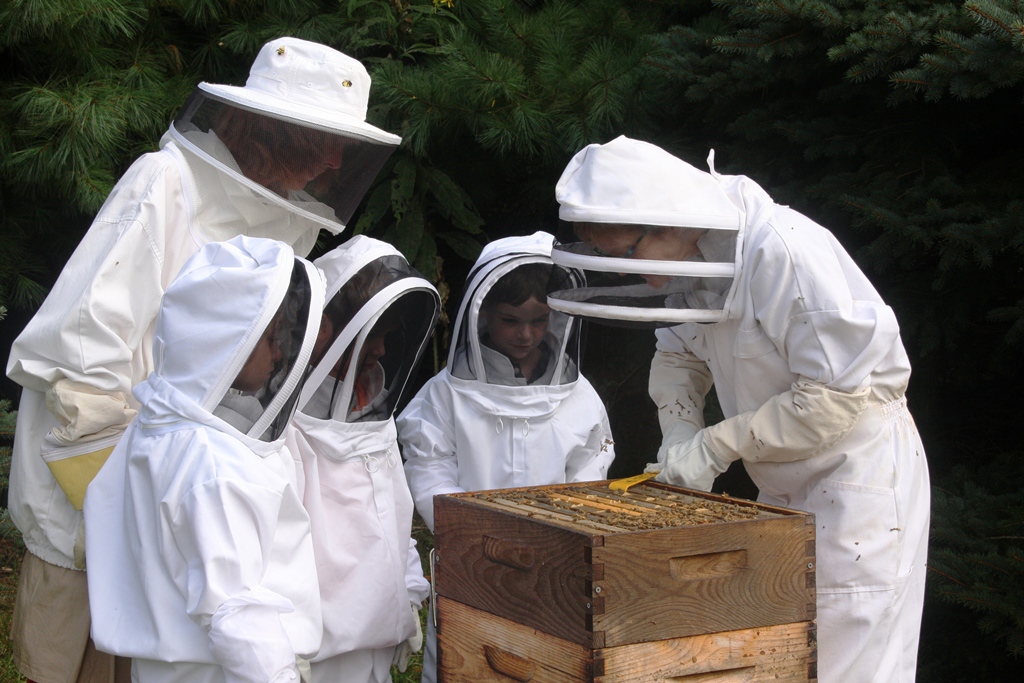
(624, 484)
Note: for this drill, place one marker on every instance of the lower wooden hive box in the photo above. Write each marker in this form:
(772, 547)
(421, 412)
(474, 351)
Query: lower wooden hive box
(576, 582)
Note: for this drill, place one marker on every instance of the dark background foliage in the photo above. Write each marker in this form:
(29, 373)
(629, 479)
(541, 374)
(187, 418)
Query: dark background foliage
(894, 123)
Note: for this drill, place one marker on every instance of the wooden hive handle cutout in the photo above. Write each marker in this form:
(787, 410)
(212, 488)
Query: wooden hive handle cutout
(507, 664)
(742, 675)
(709, 566)
(508, 553)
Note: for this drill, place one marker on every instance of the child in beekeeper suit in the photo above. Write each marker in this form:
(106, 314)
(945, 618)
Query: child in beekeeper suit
(511, 408)
(201, 561)
(379, 315)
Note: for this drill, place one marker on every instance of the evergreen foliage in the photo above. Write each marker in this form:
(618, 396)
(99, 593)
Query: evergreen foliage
(8, 418)
(818, 100)
(978, 540)
(532, 84)
(88, 86)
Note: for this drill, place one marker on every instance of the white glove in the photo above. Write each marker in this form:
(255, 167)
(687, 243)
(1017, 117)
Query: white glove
(305, 671)
(691, 464)
(406, 648)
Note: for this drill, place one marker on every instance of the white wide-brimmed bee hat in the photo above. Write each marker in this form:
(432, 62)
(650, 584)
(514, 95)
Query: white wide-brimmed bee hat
(288, 153)
(307, 83)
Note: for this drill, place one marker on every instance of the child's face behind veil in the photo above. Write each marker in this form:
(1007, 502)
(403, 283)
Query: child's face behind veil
(517, 331)
(260, 364)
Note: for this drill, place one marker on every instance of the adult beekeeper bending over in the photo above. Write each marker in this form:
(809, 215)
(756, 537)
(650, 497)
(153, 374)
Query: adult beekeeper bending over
(807, 363)
(284, 156)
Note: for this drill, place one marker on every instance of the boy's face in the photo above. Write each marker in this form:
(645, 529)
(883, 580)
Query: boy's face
(260, 364)
(517, 331)
(370, 354)
(373, 349)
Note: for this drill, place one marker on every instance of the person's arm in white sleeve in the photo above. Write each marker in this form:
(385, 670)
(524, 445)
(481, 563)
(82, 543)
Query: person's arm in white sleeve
(795, 425)
(80, 348)
(426, 431)
(84, 347)
(830, 341)
(85, 342)
(678, 384)
(805, 289)
(590, 461)
(224, 530)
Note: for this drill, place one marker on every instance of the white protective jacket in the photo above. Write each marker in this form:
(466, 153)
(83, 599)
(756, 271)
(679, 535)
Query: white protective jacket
(90, 341)
(201, 561)
(810, 373)
(350, 474)
(462, 434)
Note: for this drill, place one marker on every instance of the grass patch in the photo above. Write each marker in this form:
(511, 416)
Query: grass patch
(11, 552)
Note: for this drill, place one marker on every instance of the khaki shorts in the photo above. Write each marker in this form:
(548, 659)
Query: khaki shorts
(50, 629)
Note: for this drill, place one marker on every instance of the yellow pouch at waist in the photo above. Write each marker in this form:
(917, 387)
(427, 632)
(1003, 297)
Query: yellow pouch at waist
(74, 472)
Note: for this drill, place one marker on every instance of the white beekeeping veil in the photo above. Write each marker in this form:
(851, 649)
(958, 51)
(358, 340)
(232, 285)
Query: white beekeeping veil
(290, 151)
(503, 266)
(231, 299)
(660, 239)
(378, 317)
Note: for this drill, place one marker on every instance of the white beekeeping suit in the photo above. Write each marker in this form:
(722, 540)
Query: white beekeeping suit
(477, 425)
(808, 366)
(378, 318)
(284, 156)
(201, 561)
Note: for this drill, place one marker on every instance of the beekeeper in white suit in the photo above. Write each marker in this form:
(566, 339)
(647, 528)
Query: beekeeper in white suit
(511, 408)
(201, 565)
(808, 367)
(284, 156)
(379, 316)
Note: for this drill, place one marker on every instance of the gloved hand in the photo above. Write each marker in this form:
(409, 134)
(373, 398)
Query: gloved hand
(691, 464)
(305, 672)
(406, 648)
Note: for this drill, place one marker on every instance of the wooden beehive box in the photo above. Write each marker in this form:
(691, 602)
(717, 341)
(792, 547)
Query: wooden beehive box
(478, 647)
(602, 569)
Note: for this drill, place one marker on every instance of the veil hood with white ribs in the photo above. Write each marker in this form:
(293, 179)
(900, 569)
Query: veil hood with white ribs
(473, 365)
(378, 318)
(212, 317)
(680, 234)
(290, 151)
(379, 315)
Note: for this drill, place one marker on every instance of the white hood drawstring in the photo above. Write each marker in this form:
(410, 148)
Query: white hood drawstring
(371, 463)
